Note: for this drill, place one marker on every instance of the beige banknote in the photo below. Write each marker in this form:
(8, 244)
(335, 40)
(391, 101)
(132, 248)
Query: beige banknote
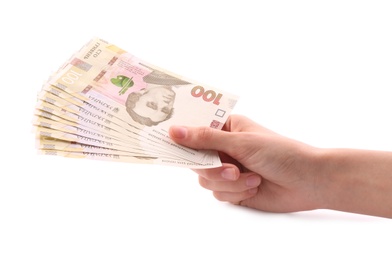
(49, 143)
(100, 123)
(83, 135)
(134, 100)
(46, 127)
(127, 159)
(51, 146)
(101, 111)
(97, 114)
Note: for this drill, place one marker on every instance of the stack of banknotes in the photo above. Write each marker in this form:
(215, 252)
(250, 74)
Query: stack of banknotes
(106, 104)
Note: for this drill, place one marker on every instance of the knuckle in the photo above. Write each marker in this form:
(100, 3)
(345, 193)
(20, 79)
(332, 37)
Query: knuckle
(205, 134)
(203, 182)
(219, 196)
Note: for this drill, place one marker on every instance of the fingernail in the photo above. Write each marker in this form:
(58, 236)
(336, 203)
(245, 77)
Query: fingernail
(229, 174)
(179, 132)
(253, 181)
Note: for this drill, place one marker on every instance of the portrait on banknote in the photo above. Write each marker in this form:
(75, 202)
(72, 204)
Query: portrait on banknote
(147, 93)
(106, 104)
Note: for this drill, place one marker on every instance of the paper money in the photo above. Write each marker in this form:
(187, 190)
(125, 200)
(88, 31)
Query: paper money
(106, 104)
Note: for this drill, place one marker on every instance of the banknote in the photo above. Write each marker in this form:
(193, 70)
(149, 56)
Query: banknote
(52, 146)
(81, 135)
(91, 112)
(124, 158)
(99, 124)
(48, 144)
(104, 99)
(48, 127)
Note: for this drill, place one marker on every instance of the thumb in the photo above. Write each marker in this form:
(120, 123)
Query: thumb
(201, 138)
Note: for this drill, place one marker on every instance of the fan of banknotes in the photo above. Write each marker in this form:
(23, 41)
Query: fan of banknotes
(106, 104)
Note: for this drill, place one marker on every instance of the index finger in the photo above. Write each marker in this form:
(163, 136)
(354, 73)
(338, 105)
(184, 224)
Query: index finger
(223, 173)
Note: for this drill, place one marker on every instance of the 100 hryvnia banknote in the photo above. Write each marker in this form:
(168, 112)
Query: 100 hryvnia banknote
(106, 104)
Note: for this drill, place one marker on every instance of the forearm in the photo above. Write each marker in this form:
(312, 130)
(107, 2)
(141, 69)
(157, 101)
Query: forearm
(357, 181)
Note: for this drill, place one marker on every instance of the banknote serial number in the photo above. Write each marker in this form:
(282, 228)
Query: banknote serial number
(206, 95)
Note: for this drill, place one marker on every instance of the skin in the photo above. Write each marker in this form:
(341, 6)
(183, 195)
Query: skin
(269, 172)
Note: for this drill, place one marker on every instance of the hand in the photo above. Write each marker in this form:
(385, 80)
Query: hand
(261, 169)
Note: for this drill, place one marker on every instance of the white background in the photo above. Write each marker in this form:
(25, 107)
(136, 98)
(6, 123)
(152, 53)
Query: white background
(316, 71)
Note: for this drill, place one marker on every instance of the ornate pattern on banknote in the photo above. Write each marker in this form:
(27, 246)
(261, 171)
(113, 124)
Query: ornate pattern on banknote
(106, 104)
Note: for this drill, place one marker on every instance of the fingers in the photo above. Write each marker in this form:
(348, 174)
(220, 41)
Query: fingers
(239, 123)
(244, 188)
(235, 197)
(227, 172)
(202, 138)
(245, 181)
(228, 184)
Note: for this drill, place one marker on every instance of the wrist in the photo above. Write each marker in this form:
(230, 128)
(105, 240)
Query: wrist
(354, 181)
(326, 179)
(319, 169)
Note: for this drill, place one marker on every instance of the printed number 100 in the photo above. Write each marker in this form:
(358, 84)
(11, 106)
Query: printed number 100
(208, 95)
(71, 77)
